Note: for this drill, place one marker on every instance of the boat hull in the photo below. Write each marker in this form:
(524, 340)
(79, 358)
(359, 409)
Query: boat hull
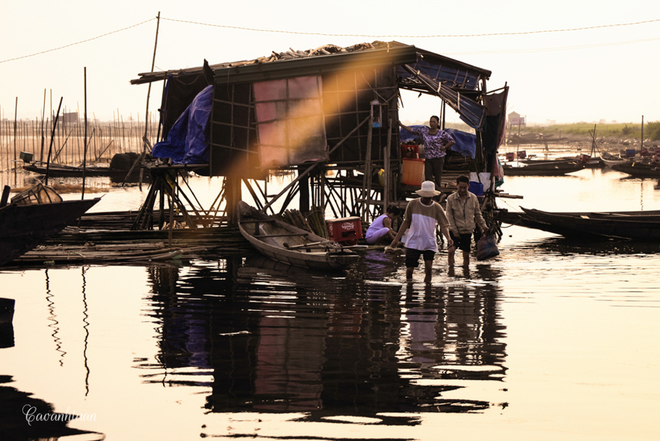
(23, 227)
(58, 171)
(543, 168)
(288, 244)
(635, 225)
(638, 169)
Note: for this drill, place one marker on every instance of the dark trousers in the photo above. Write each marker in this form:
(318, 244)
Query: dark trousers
(433, 169)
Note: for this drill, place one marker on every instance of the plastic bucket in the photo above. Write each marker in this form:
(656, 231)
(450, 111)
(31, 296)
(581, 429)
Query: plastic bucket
(413, 171)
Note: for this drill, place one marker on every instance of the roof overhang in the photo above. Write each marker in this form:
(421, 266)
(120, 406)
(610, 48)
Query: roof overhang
(458, 83)
(393, 53)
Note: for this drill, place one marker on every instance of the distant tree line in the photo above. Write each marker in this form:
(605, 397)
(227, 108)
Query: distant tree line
(653, 129)
(621, 130)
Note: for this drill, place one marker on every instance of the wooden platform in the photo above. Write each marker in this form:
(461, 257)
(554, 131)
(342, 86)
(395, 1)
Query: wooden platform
(107, 238)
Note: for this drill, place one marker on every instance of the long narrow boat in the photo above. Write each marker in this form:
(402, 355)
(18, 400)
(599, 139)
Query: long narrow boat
(68, 171)
(637, 225)
(543, 168)
(288, 244)
(639, 169)
(26, 223)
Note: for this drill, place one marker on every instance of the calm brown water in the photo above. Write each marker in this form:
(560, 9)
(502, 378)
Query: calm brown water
(550, 340)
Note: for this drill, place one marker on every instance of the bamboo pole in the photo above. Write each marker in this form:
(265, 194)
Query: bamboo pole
(24, 133)
(153, 64)
(34, 136)
(123, 132)
(50, 149)
(7, 149)
(84, 162)
(15, 121)
(43, 136)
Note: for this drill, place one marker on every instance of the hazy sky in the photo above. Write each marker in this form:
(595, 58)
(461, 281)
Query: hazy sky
(569, 61)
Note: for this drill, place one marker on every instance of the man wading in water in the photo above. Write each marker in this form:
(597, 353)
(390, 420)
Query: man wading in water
(464, 214)
(421, 217)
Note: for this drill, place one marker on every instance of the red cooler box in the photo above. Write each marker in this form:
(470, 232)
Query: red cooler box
(346, 229)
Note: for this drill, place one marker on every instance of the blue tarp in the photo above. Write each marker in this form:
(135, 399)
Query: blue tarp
(187, 140)
(466, 143)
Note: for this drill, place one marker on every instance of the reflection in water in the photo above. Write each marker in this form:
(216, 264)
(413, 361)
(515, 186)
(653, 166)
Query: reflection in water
(280, 339)
(86, 328)
(7, 307)
(23, 417)
(53, 319)
(558, 245)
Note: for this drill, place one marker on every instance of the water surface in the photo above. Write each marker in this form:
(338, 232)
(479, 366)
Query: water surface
(551, 339)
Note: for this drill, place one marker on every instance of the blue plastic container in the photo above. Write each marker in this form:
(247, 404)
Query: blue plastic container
(477, 188)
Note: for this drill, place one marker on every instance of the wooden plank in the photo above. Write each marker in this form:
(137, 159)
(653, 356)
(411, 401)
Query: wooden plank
(280, 235)
(321, 244)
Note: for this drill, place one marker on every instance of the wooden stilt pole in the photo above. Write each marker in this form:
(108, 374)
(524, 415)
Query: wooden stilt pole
(387, 187)
(368, 174)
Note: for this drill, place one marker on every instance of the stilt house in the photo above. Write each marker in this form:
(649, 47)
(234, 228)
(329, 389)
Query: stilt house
(329, 115)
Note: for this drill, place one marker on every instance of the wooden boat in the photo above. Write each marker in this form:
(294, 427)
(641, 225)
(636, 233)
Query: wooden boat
(288, 244)
(638, 225)
(68, 171)
(593, 162)
(639, 169)
(33, 216)
(613, 162)
(556, 167)
(610, 159)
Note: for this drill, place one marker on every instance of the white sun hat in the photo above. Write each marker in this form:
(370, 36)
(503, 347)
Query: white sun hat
(428, 190)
